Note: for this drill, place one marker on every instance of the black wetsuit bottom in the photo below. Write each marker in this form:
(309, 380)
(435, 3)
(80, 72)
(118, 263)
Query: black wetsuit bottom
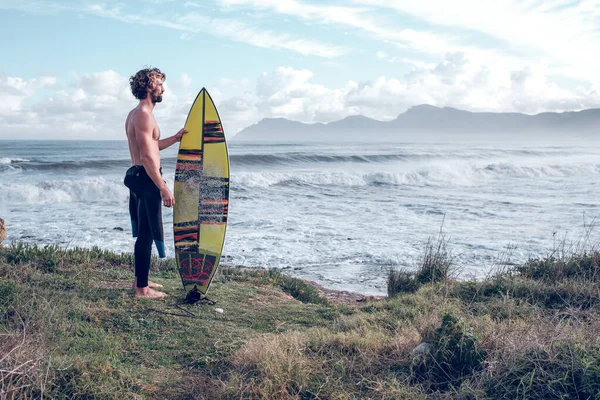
(146, 220)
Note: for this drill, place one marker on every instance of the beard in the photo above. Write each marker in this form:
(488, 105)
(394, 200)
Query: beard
(156, 99)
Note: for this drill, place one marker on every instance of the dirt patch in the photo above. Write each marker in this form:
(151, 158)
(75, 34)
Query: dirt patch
(342, 296)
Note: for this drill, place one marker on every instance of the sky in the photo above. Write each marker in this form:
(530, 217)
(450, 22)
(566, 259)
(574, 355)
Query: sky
(65, 65)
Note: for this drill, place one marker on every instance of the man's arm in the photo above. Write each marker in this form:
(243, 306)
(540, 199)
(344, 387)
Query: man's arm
(150, 156)
(164, 143)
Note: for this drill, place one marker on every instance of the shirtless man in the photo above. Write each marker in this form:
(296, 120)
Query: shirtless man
(144, 178)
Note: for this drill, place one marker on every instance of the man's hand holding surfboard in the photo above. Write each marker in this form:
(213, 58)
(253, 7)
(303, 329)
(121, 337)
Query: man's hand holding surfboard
(165, 193)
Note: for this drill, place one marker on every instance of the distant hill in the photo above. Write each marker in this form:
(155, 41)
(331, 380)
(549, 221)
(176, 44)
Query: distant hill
(427, 121)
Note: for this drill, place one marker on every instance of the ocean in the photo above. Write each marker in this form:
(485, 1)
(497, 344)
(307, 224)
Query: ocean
(342, 215)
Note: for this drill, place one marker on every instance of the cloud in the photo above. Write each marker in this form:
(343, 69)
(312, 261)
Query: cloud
(95, 105)
(244, 83)
(366, 20)
(14, 91)
(192, 4)
(383, 56)
(91, 106)
(563, 35)
(566, 33)
(240, 32)
(101, 83)
(183, 83)
(455, 81)
(282, 82)
(325, 14)
(193, 22)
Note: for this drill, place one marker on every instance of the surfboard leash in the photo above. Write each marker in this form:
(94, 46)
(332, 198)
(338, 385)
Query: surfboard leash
(194, 296)
(188, 314)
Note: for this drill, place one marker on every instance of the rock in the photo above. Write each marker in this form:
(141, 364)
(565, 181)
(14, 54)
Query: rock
(423, 348)
(118, 228)
(3, 232)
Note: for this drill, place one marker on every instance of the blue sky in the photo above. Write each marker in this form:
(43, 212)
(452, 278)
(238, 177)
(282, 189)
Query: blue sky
(65, 64)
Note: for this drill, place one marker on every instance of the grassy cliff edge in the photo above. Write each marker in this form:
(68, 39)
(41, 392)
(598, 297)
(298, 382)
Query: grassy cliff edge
(71, 328)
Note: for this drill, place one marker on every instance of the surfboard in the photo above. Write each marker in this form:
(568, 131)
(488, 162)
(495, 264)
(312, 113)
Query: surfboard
(201, 196)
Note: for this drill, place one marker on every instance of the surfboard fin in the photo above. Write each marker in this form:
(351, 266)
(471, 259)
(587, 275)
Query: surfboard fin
(194, 296)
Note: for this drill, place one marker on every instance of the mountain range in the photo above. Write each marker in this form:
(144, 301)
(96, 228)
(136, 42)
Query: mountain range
(426, 121)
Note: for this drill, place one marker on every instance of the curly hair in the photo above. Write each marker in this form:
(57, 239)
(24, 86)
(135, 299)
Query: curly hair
(143, 80)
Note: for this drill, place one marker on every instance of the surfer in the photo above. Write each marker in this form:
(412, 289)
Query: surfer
(144, 179)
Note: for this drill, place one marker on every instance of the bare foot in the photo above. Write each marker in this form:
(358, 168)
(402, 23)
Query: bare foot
(149, 293)
(151, 285)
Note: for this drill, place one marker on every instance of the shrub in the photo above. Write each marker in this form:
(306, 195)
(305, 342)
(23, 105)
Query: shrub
(551, 269)
(564, 370)
(297, 288)
(401, 281)
(436, 263)
(455, 354)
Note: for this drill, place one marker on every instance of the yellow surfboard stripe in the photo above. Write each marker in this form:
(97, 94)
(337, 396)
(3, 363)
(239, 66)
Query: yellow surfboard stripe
(201, 195)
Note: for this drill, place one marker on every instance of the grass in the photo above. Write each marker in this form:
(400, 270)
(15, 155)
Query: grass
(435, 266)
(71, 328)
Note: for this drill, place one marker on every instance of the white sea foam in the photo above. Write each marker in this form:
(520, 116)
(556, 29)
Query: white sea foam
(6, 160)
(432, 174)
(96, 189)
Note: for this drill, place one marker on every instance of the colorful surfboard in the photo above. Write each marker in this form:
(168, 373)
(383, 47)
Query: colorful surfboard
(201, 195)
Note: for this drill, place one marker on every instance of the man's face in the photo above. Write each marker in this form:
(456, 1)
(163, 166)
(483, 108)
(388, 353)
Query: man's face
(157, 92)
